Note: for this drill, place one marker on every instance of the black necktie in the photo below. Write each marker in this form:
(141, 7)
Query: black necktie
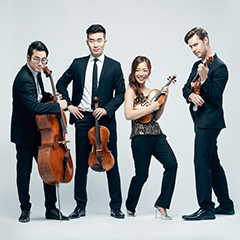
(94, 82)
(39, 79)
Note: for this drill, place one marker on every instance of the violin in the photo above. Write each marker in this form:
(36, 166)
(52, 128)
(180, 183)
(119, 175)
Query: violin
(153, 94)
(54, 158)
(100, 159)
(195, 84)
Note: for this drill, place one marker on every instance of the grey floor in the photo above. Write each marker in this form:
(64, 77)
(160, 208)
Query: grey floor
(102, 226)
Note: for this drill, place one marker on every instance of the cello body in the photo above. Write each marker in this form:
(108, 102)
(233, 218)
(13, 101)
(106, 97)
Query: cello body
(51, 153)
(54, 158)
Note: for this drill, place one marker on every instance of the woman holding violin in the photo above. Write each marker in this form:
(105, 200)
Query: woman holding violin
(148, 139)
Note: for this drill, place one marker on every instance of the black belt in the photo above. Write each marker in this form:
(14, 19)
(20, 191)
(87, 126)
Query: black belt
(87, 113)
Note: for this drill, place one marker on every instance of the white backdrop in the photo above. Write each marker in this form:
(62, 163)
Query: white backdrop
(152, 28)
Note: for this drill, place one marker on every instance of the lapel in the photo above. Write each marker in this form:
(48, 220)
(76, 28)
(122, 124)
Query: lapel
(31, 76)
(39, 78)
(83, 67)
(104, 69)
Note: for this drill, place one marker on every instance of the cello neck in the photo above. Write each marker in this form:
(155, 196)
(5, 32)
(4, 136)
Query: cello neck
(49, 74)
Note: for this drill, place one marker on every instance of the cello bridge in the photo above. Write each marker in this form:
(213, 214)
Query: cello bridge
(63, 142)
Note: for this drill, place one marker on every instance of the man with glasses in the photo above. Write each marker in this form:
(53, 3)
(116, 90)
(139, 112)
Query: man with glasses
(29, 100)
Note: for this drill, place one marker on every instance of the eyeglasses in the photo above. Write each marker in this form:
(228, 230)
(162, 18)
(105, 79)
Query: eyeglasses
(43, 61)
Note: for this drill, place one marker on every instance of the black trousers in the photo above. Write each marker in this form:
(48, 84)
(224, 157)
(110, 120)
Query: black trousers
(24, 169)
(143, 147)
(209, 173)
(83, 148)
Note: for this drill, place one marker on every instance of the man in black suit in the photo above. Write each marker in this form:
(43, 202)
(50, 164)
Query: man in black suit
(29, 100)
(101, 76)
(207, 114)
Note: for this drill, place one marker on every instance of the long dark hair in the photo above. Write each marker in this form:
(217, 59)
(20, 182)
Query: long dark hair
(132, 81)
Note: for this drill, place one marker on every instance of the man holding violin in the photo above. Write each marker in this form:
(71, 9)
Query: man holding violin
(207, 113)
(101, 76)
(29, 99)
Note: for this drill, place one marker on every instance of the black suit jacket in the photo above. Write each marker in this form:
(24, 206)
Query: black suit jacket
(110, 91)
(25, 107)
(210, 115)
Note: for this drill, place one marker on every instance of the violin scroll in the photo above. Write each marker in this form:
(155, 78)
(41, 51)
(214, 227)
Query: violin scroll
(46, 71)
(172, 79)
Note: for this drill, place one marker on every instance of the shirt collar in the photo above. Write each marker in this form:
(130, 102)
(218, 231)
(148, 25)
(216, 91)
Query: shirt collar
(33, 72)
(101, 58)
(208, 57)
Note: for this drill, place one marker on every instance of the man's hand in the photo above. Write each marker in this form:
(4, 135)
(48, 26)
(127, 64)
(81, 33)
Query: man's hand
(59, 96)
(76, 111)
(196, 99)
(63, 104)
(203, 71)
(99, 112)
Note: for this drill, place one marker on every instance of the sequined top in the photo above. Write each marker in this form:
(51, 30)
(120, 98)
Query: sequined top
(150, 128)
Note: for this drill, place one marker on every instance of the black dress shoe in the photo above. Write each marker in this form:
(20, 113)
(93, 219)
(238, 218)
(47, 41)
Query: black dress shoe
(117, 213)
(24, 217)
(54, 214)
(220, 210)
(77, 213)
(200, 215)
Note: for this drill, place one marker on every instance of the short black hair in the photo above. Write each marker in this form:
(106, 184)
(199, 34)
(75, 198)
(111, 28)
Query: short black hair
(201, 33)
(95, 28)
(37, 45)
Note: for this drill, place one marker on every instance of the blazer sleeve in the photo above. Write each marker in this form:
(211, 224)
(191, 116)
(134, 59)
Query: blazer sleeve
(187, 90)
(64, 81)
(27, 91)
(215, 84)
(118, 98)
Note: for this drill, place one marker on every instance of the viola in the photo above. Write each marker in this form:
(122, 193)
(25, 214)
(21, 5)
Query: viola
(153, 95)
(195, 84)
(100, 159)
(54, 158)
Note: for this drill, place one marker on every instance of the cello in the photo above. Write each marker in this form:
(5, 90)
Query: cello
(195, 83)
(54, 159)
(100, 159)
(153, 95)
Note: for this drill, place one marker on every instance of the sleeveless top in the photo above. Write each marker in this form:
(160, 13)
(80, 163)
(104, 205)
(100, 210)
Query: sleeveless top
(140, 129)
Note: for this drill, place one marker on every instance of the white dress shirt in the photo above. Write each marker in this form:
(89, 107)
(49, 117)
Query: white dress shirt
(39, 91)
(87, 91)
